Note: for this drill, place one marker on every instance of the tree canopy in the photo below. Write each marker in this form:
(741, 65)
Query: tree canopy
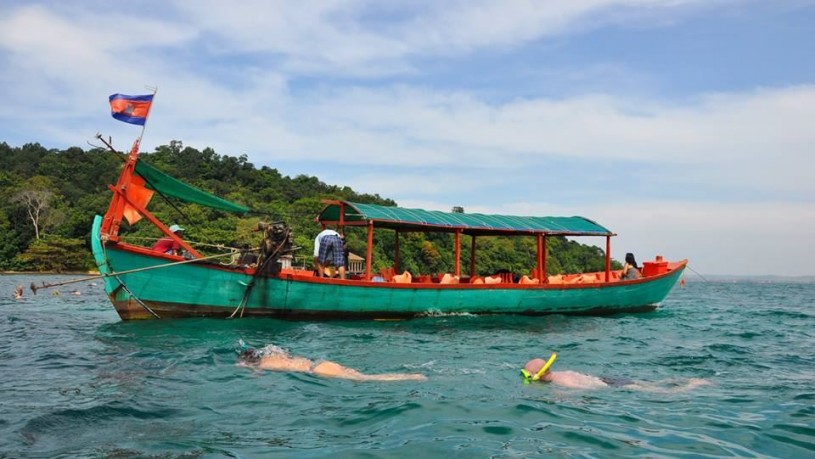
(48, 199)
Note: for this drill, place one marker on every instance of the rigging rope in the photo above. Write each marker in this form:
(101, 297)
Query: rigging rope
(35, 287)
(261, 267)
(695, 272)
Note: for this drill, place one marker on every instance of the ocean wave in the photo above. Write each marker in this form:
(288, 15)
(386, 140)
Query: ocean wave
(438, 313)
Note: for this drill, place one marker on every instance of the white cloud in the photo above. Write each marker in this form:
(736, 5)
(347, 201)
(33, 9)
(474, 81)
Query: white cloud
(740, 139)
(68, 45)
(716, 237)
(230, 76)
(334, 36)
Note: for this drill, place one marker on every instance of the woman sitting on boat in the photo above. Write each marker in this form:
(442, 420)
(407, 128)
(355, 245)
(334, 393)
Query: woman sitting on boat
(167, 244)
(630, 270)
(274, 358)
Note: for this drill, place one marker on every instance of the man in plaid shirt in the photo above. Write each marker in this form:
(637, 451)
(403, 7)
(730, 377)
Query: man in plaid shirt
(328, 251)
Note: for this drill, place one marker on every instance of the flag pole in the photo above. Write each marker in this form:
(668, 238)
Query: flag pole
(135, 149)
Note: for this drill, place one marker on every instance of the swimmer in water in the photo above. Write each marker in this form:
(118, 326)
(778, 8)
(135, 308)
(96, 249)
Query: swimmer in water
(538, 370)
(18, 293)
(276, 359)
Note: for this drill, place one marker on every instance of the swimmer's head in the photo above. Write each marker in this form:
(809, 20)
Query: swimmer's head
(249, 356)
(536, 369)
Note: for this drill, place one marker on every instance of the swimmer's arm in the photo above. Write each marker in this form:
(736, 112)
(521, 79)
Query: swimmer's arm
(574, 380)
(335, 370)
(691, 384)
(279, 363)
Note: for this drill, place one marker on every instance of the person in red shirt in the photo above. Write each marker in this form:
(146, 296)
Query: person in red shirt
(167, 244)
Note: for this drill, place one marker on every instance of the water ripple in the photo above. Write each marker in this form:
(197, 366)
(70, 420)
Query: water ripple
(75, 381)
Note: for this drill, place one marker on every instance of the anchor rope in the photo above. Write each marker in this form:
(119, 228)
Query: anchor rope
(261, 268)
(35, 287)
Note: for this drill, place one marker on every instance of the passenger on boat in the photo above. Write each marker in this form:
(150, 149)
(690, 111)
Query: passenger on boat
(630, 269)
(404, 278)
(167, 244)
(448, 278)
(328, 250)
(507, 276)
(575, 380)
(276, 359)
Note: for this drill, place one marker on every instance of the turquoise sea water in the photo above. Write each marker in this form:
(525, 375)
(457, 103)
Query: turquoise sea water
(75, 381)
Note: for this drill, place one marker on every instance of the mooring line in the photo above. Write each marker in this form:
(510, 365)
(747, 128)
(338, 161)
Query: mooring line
(35, 287)
(133, 295)
(262, 267)
(695, 272)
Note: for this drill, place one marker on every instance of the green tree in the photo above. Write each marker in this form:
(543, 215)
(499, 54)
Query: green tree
(36, 199)
(50, 195)
(55, 253)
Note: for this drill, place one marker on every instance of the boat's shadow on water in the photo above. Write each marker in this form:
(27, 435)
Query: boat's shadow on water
(250, 329)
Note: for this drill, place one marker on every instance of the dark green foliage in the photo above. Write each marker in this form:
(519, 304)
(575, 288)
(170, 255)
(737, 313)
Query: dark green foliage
(79, 179)
(56, 254)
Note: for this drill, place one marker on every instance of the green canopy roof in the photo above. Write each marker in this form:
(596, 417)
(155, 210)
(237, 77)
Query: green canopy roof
(472, 224)
(169, 186)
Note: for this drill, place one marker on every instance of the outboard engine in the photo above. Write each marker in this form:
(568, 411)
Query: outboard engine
(277, 241)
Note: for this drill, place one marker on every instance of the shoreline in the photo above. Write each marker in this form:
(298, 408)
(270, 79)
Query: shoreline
(50, 273)
(707, 277)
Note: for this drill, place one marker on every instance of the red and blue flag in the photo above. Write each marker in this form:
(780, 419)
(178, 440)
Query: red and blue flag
(130, 109)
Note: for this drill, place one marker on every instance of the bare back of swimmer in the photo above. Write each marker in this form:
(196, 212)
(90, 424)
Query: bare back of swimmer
(575, 380)
(279, 360)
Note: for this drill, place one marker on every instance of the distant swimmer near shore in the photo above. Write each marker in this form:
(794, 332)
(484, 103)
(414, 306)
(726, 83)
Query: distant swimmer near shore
(18, 292)
(276, 359)
(538, 370)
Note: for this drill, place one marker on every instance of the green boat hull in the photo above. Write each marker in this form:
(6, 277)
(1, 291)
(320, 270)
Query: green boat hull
(152, 288)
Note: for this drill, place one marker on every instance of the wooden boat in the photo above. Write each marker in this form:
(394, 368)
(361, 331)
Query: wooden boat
(143, 284)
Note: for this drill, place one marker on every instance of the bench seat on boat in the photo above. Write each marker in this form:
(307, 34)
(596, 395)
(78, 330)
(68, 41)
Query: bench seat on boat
(404, 278)
(449, 279)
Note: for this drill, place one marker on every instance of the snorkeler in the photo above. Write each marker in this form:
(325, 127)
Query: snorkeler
(538, 370)
(276, 359)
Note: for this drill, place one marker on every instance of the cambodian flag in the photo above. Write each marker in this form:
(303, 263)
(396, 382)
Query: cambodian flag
(130, 109)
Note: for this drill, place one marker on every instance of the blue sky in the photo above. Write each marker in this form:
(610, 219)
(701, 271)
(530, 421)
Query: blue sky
(683, 125)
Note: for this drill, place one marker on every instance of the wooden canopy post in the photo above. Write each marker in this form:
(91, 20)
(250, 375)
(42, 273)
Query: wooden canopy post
(396, 265)
(457, 269)
(342, 218)
(544, 278)
(472, 256)
(608, 258)
(368, 252)
(540, 271)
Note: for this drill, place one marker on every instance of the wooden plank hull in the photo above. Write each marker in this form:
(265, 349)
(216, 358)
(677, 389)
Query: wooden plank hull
(189, 290)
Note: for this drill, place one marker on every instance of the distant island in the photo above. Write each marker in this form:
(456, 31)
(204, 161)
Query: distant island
(690, 277)
(48, 198)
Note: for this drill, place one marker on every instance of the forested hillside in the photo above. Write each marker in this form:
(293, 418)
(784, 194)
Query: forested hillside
(48, 199)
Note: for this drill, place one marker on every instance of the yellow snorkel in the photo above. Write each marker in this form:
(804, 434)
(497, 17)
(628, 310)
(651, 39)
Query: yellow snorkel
(545, 367)
(529, 377)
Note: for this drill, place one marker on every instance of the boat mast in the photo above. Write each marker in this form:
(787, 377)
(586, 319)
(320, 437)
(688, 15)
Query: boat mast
(113, 217)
